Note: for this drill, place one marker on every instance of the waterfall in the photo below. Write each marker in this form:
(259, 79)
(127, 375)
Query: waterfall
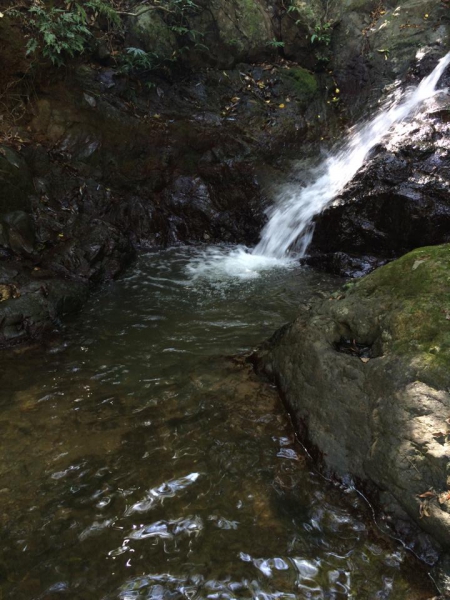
(292, 219)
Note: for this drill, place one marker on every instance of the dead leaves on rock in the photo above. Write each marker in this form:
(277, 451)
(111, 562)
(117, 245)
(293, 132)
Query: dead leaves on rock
(424, 509)
(444, 497)
(429, 494)
(427, 497)
(260, 89)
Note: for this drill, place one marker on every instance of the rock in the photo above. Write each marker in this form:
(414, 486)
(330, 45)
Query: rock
(18, 230)
(297, 26)
(398, 201)
(365, 374)
(148, 31)
(234, 31)
(374, 45)
(16, 184)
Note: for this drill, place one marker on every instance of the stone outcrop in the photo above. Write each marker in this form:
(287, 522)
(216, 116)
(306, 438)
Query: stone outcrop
(398, 201)
(365, 374)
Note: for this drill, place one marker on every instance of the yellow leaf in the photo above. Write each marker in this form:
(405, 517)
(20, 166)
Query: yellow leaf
(426, 16)
(61, 235)
(337, 91)
(281, 106)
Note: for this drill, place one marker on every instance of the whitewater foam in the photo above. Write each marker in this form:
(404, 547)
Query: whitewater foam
(291, 220)
(218, 263)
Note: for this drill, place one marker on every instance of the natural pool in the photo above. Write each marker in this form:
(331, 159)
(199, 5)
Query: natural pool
(141, 461)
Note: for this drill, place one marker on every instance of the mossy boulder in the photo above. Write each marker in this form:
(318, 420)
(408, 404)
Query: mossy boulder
(367, 376)
(148, 31)
(412, 296)
(303, 83)
(234, 31)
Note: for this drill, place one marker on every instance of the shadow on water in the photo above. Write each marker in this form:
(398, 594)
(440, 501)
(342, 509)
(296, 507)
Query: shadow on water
(138, 462)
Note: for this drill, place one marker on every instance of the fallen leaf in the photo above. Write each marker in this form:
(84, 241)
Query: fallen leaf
(364, 360)
(417, 264)
(428, 494)
(282, 106)
(423, 510)
(444, 497)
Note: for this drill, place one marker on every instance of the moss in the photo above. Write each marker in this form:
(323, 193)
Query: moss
(413, 295)
(252, 17)
(149, 31)
(251, 22)
(303, 83)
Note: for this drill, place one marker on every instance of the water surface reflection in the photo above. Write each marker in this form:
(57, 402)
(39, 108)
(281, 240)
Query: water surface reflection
(139, 462)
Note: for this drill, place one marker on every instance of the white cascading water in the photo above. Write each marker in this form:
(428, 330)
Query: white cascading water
(291, 220)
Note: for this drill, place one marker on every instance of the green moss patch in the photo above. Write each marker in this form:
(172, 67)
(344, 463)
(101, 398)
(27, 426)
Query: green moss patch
(413, 296)
(303, 83)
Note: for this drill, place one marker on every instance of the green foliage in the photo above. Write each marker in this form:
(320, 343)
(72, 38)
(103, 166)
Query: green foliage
(322, 34)
(136, 60)
(58, 33)
(181, 5)
(275, 44)
(98, 7)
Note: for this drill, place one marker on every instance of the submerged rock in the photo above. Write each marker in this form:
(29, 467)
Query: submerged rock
(366, 376)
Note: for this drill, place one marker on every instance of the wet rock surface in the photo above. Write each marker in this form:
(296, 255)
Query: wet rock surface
(365, 374)
(96, 178)
(398, 201)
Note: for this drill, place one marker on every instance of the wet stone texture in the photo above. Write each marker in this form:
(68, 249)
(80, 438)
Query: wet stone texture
(376, 406)
(399, 200)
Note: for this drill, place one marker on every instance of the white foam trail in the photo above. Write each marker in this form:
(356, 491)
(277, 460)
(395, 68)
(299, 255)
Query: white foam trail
(219, 263)
(292, 221)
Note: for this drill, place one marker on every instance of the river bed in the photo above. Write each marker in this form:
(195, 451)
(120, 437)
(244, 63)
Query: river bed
(142, 460)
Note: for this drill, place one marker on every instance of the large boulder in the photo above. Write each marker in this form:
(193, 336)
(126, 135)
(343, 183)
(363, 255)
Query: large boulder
(366, 376)
(147, 30)
(231, 31)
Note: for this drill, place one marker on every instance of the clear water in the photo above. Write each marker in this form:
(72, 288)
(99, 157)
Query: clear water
(140, 461)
